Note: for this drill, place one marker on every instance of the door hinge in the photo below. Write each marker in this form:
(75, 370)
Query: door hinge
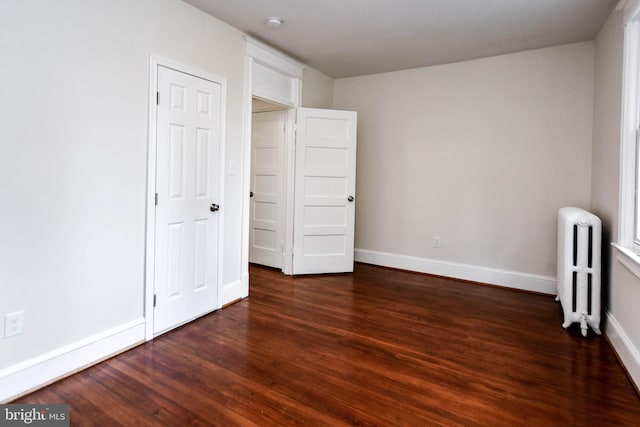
(156, 199)
(157, 98)
(154, 300)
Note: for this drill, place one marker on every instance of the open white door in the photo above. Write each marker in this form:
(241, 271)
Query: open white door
(325, 184)
(187, 194)
(267, 188)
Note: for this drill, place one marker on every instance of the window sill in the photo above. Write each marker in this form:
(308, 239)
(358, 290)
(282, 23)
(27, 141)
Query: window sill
(629, 259)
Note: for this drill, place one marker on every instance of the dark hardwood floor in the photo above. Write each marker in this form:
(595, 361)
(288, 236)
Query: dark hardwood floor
(378, 348)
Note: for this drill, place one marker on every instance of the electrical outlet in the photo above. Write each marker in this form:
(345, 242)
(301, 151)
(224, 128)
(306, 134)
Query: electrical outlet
(437, 242)
(13, 323)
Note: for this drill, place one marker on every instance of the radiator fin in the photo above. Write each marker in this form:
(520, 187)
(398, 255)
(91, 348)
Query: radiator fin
(589, 294)
(575, 246)
(574, 293)
(590, 248)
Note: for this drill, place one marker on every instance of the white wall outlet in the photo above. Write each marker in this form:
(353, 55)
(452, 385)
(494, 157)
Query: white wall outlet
(437, 242)
(13, 323)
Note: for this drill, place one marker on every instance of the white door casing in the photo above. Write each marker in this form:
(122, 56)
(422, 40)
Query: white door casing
(187, 224)
(267, 188)
(324, 196)
(282, 86)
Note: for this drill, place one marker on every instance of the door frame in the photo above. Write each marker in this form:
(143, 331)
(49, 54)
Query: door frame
(150, 233)
(282, 72)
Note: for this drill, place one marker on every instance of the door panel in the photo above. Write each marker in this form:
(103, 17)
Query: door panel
(324, 191)
(187, 184)
(267, 174)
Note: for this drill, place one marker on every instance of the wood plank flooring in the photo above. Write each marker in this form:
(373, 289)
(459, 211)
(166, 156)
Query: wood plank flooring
(378, 347)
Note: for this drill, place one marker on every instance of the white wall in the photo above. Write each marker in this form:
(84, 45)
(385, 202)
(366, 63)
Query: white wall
(73, 156)
(481, 153)
(317, 89)
(621, 289)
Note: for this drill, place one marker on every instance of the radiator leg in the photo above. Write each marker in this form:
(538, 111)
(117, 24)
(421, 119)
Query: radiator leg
(583, 325)
(595, 326)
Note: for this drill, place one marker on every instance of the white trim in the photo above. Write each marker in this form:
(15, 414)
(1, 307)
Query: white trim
(627, 351)
(257, 52)
(272, 58)
(39, 371)
(493, 276)
(629, 8)
(629, 125)
(270, 84)
(154, 62)
(244, 280)
(289, 174)
(629, 259)
(149, 252)
(246, 170)
(235, 290)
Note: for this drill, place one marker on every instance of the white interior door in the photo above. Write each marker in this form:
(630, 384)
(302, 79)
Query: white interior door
(325, 184)
(188, 190)
(267, 173)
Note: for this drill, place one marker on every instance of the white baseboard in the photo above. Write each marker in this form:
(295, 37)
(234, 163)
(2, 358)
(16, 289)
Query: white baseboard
(493, 276)
(25, 376)
(627, 351)
(235, 290)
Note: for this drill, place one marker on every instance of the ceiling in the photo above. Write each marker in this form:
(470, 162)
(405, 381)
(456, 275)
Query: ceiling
(344, 38)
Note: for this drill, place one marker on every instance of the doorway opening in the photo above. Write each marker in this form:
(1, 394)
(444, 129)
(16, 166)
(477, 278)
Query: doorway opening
(302, 188)
(268, 178)
(299, 213)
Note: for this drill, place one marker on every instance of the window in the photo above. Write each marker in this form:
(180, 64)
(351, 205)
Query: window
(629, 230)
